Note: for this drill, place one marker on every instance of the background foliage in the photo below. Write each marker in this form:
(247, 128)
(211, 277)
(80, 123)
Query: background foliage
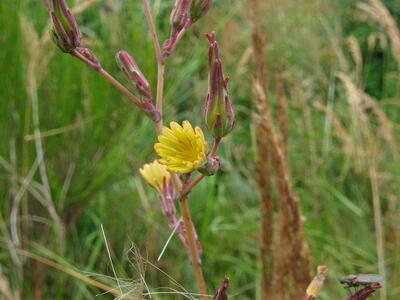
(94, 141)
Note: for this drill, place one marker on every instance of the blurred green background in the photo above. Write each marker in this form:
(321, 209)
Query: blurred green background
(81, 170)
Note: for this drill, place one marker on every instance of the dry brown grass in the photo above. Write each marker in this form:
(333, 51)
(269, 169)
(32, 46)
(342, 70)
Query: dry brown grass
(262, 166)
(290, 274)
(292, 271)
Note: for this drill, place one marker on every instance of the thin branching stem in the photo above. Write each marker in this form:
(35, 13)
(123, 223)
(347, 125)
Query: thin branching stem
(110, 78)
(153, 32)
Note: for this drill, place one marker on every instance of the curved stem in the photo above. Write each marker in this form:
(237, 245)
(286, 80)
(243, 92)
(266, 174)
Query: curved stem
(190, 235)
(111, 79)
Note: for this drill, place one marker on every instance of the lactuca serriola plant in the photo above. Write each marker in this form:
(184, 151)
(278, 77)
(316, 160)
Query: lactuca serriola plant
(219, 114)
(64, 30)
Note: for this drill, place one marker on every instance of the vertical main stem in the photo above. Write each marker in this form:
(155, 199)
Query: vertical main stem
(160, 94)
(153, 32)
(160, 64)
(188, 224)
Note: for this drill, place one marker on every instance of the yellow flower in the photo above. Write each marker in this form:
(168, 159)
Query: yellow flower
(156, 175)
(181, 148)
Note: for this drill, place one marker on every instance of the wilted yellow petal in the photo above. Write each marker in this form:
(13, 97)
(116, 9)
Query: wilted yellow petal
(155, 174)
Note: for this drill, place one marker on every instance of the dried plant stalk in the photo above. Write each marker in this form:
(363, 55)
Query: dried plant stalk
(293, 257)
(283, 117)
(262, 166)
(292, 274)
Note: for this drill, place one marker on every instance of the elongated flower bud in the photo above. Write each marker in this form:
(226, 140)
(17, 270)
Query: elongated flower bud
(199, 8)
(180, 15)
(131, 70)
(219, 113)
(64, 30)
(180, 21)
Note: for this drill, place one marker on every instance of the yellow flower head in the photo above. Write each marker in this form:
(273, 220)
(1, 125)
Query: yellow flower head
(181, 148)
(156, 175)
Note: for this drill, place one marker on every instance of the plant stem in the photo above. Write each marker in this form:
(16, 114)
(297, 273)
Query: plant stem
(217, 142)
(160, 65)
(160, 92)
(188, 224)
(188, 188)
(111, 79)
(153, 32)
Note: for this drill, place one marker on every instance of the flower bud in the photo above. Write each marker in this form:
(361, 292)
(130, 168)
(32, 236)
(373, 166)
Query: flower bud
(133, 73)
(219, 113)
(180, 15)
(180, 21)
(211, 166)
(131, 70)
(64, 30)
(199, 8)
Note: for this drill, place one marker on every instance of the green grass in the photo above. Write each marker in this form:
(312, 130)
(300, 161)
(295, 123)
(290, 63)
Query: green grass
(102, 154)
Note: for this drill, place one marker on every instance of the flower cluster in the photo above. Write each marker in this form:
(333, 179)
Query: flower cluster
(182, 148)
